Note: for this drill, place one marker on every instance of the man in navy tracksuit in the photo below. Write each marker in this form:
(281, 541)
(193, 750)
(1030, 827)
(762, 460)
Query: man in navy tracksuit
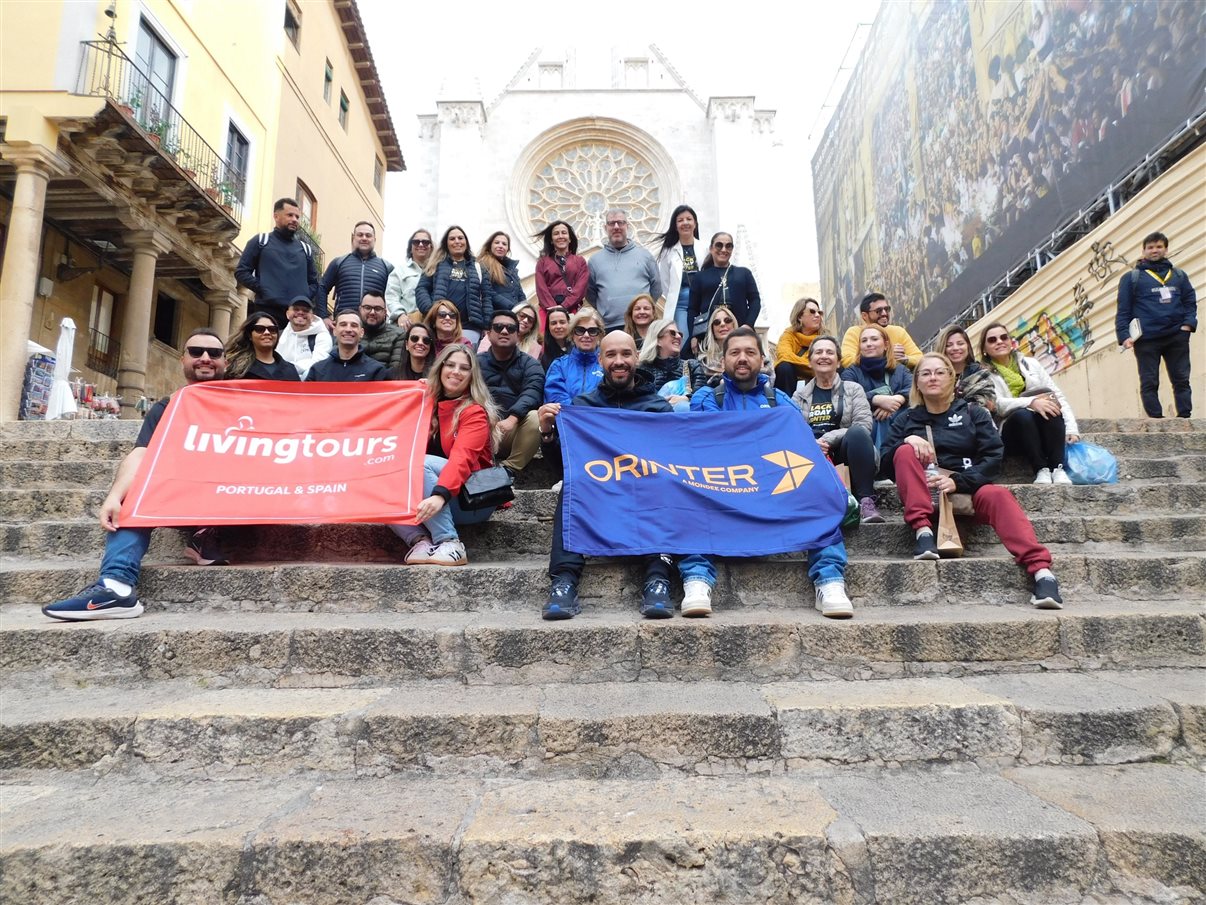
(1161, 299)
(355, 275)
(278, 266)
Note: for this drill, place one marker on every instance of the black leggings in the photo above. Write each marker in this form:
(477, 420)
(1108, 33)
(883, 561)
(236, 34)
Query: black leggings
(1038, 440)
(857, 451)
(786, 377)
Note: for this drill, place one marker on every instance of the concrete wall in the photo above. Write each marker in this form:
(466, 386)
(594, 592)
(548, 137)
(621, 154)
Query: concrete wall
(335, 164)
(1064, 314)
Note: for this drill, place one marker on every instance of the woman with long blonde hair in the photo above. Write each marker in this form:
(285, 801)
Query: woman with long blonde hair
(463, 437)
(501, 287)
(885, 381)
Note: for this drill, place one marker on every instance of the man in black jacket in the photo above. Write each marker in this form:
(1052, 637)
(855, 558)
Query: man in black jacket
(623, 387)
(383, 341)
(354, 275)
(347, 362)
(516, 383)
(278, 266)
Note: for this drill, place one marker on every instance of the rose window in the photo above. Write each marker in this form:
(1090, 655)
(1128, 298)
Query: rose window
(579, 184)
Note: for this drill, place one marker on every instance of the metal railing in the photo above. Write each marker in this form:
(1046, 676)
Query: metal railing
(104, 352)
(107, 72)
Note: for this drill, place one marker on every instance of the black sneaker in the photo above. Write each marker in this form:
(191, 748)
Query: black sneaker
(562, 603)
(202, 548)
(655, 600)
(926, 547)
(1046, 594)
(96, 602)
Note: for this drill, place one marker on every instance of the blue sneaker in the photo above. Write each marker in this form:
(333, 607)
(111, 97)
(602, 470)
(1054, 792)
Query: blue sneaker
(655, 602)
(562, 603)
(96, 602)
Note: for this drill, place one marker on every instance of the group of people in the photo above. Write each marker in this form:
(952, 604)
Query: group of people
(932, 422)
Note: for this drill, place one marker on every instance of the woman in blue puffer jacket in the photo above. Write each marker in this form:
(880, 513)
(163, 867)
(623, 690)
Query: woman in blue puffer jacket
(578, 370)
(453, 275)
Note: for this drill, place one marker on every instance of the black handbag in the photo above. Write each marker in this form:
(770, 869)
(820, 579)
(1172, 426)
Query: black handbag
(487, 488)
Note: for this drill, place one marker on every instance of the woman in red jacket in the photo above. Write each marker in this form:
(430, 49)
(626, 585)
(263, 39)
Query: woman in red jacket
(561, 272)
(464, 427)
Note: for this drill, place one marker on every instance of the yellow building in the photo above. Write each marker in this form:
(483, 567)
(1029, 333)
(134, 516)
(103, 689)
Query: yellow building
(142, 143)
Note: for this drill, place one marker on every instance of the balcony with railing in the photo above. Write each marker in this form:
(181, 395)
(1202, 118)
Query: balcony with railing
(105, 71)
(104, 352)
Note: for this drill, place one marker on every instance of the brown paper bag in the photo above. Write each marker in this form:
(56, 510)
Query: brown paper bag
(843, 472)
(950, 545)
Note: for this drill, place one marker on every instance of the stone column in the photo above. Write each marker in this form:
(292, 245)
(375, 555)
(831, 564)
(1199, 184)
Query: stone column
(222, 305)
(22, 263)
(147, 245)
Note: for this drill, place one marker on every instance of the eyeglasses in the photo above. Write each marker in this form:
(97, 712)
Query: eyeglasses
(587, 331)
(421, 243)
(723, 246)
(617, 222)
(419, 341)
(205, 352)
(264, 328)
(937, 372)
(1000, 338)
(368, 309)
(446, 315)
(504, 328)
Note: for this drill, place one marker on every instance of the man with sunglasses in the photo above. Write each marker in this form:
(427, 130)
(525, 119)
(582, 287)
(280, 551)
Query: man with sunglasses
(875, 309)
(620, 271)
(516, 383)
(113, 597)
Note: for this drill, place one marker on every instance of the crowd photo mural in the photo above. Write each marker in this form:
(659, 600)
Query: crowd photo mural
(971, 130)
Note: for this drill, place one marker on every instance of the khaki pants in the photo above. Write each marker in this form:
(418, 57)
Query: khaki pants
(521, 444)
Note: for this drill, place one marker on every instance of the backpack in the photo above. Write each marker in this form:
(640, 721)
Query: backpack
(768, 388)
(310, 339)
(306, 247)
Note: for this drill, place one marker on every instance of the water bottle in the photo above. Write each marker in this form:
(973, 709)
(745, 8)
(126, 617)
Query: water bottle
(931, 472)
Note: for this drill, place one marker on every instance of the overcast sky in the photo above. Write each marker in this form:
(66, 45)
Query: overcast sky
(786, 55)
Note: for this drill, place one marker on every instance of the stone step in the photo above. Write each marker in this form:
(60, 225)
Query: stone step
(367, 649)
(614, 585)
(912, 837)
(505, 538)
(1104, 499)
(610, 729)
(113, 444)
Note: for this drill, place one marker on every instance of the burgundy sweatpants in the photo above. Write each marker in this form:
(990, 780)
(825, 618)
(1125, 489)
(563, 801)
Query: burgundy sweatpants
(994, 505)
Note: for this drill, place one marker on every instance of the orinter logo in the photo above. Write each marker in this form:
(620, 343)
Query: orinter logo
(730, 478)
(797, 467)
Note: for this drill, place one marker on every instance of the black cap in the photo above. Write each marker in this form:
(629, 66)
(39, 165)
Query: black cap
(302, 300)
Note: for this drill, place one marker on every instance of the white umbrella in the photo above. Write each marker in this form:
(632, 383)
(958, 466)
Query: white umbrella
(61, 401)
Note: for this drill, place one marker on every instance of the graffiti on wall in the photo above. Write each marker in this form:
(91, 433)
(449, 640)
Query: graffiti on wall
(1058, 339)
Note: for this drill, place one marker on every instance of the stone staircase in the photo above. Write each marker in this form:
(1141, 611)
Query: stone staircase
(320, 725)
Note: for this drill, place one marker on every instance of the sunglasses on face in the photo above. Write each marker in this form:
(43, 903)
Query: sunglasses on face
(723, 246)
(587, 331)
(419, 341)
(876, 312)
(205, 352)
(1004, 337)
(264, 328)
(421, 243)
(666, 333)
(504, 328)
(446, 315)
(723, 320)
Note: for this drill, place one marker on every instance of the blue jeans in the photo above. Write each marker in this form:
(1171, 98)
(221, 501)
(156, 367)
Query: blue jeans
(442, 525)
(827, 564)
(124, 550)
(698, 567)
(680, 313)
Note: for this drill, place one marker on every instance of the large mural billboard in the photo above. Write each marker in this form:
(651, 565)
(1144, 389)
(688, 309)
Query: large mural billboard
(971, 129)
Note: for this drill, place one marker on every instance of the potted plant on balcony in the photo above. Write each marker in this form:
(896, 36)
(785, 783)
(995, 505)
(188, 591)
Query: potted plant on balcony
(228, 194)
(158, 129)
(131, 105)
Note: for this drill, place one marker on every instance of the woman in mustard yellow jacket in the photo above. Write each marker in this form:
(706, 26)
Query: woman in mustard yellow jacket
(791, 355)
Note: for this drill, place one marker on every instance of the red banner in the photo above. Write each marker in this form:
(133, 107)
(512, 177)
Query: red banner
(265, 452)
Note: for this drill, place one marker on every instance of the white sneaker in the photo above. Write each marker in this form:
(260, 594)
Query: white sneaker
(832, 600)
(1059, 476)
(1043, 476)
(449, 553)
(697, 597)
(420, 552)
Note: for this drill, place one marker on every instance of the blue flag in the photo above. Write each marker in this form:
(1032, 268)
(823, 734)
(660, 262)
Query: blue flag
(718, 483)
